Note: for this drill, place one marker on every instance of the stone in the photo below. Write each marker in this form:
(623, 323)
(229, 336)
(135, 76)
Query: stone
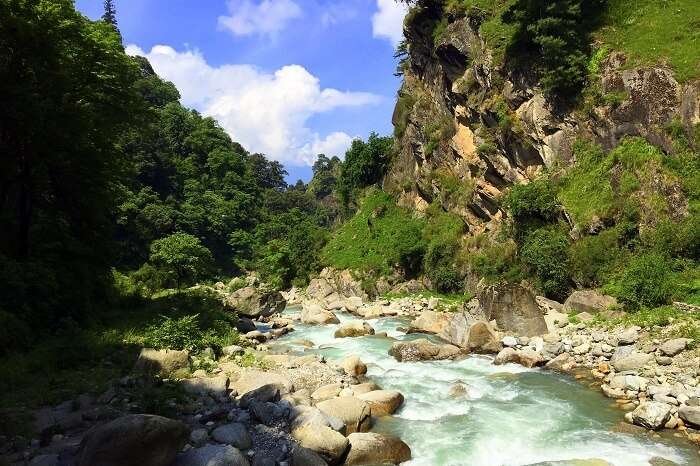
(253, 379)
(505, 356)
(305, 457)
(422, 350)
(588, 301)
(161, 362)
(45, 460)
(212, 455)
(633, 361)
(674, 346)
(133, 440)
(582, 349)
(245, 325)
(354, 412)
(690, 414)
(233, 434)
(353, 366)
(382, 402)
(513, 307)
(509, 341)
(562, 363)
(199, 437)
(529, 357)
(266, 393)
(323, 440)
(255, 303)
(354, 328)
(216, 386)
(364, 388)
(585, 316)
(482, 339)
(312, 313)
(326, 392)
(651, 414)
(319, 288)
(431, 322)
(628, 337)
(371, 448)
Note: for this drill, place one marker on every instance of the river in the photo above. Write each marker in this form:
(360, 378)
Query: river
(511, 416)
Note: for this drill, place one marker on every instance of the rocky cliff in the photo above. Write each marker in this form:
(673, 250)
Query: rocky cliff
(468, 128)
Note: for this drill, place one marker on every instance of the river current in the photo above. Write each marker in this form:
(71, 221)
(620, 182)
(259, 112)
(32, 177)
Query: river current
(510, 415)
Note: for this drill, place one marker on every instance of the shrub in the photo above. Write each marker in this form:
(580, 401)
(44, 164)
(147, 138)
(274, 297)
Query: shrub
(545, 254)
(496, 262)
(190, 332)
(531, 206)
(15, 334)
(646, 281)
(440, 268)
(593, 256)
(182, 257)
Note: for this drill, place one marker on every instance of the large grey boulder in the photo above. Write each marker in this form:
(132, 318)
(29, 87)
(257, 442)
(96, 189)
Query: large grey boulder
(382, 402)
(588, 301)
(312, 313)
(353, 366)
(370, 449)
(161, 362)
(354, 412)
(301, 456)
(254, 379)
(673, 347)
(254, 303)
(233, 434)
(651, 414)
(354, 328)
(482, 339)
(133, 440)
(422, 350)
(632, 361)
(690, 414)
(431, 322)
(215, 386)
(513, 307)
(326, 442)
(212, 455)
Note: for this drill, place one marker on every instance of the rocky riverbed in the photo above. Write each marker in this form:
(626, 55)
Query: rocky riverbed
(337, 378)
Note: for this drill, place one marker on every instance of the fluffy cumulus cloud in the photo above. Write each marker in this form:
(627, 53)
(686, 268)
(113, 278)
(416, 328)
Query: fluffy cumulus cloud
(387, 22)
(265, 112)
(267, 17)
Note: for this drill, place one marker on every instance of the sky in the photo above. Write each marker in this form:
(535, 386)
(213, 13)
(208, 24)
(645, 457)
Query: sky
(286, 78)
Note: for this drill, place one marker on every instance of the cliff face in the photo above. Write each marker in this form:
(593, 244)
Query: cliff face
(467, 129)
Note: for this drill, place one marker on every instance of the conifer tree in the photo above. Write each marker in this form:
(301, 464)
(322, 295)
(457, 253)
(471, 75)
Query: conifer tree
(110, 14)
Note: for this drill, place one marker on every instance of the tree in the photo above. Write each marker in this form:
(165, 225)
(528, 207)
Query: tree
(365, 164)
(110, 14)
(181, 256)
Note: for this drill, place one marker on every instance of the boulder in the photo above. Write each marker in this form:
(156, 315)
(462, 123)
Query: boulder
(690, 414)
(529, 358)
(588, 301)
(323, 440)
(133, 440)
(632, 361)
(245, 325)
(216, 386)
(301, 456)
(628, 336)
(354, 412)
(431, 322)
(364, 388)
(482, 339)
(326, 392)
(371, 449)
(266, 393)
(199, 437)
(509, 341)
(255, 303)
(382, 402)
(319, 288)
(253, 379)
(353, 366)
(161, 362)
(505, 356)
(422, 350)
(354, 328)
(513, 307)
(651, 414)
(562, 363)
(312, 313)
(45, 460)
(233, 434)
(673, 347)
(212, 455)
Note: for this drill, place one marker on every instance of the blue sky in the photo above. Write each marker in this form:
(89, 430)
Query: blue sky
(288, 78)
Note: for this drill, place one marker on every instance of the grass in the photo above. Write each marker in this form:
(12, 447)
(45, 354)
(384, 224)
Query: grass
(664, 322)
(380, 237)
(450, 302)
(651, 32)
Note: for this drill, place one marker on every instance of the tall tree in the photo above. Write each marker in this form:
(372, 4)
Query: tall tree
(110, 14)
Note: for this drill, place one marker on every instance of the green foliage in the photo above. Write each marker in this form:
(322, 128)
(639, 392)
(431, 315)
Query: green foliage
(14, 333)
(378, 238)
(190, 332)
(532, 205)
(593, 258)
(545, 254)
(655, 32)
(497, 262)
(646, 281)
(181, 257)
(402, 112)
(365, 164)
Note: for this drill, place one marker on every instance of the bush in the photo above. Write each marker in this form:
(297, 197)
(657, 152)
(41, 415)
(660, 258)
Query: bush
(190, 332)
(593, 256)
(440, 268)
(545, 254)
(646, 281)
(15, 334)
(181, 257)
(531, 206)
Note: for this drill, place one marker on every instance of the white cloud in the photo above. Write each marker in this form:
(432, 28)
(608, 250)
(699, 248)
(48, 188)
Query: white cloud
(267, 17)
(265, 112)
(387, 22)
(336, 13)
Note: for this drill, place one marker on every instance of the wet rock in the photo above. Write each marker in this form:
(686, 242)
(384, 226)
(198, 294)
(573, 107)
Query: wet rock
(323, 440)
(354, 412)
(588, 301)
(505, 356)
(354, 328)
(212, 455)
(690, 414)
(458, 390)
(233, 434)
(513, 307)
(161, 362)
(245, 325)
(482, 339)
(509, 341)
(632, 361)
(562, 363)
(371, 448)
(312, 313)
(364, 388)
(353, 366)
(254, 303)
(383, 402)
(133, 440)
(674, 347)
(529, 357)
(422, 350)
(651, 414)
(326, 392)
